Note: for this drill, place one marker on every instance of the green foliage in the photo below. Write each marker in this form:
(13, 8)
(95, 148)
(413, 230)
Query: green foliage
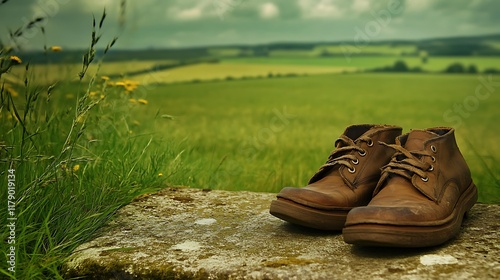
(75, 165)
(472, 69)
(399, 66)
(455, 68)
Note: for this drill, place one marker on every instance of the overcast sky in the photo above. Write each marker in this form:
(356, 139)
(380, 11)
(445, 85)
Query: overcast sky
(181, 23)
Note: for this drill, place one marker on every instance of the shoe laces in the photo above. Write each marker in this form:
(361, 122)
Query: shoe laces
(342, 155)
(406, 163)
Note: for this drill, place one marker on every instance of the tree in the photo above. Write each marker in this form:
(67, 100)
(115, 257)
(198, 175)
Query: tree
(455, 68)
(400, 66)
(472, 69)
(424, 57)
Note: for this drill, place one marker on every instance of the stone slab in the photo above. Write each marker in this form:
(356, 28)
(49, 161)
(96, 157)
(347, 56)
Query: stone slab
(182, 233)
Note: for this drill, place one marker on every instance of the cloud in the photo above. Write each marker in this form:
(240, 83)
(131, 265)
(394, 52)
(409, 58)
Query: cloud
(97, 5)
(361, 6)
(268, 11)
(190, 14)
(319, 9)
(417, 6)
(52, 8)
(190, 10)
(335, 9)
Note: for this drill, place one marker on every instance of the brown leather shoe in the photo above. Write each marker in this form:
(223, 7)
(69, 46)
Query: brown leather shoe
(421, 197)
(346, 180)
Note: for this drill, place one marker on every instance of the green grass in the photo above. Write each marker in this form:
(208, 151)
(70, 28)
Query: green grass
(77, 159)
(233, 138)
(71, 154)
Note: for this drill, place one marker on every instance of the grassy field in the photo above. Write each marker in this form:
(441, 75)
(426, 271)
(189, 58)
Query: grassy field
(262, 135)
(56, 72)
(247, 67)
(433, 64)
(259, 67)
(221, 71)
(321, 49)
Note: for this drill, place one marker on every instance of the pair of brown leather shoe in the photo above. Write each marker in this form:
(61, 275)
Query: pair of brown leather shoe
(382, 188)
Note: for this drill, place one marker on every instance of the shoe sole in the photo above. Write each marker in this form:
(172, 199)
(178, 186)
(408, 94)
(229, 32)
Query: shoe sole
(412, 236)
(299, 214)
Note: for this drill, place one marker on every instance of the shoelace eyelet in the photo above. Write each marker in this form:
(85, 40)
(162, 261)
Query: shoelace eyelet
(425, 179)
(351, 170)
(356, 161)
(362, 153)
(433, 148)
(433, 159)
(370, 143)
(431, 168)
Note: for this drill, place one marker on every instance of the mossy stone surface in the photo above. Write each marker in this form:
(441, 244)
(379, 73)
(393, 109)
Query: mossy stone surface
(182, 233)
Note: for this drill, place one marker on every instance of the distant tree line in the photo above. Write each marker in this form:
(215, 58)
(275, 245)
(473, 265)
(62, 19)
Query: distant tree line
(458, 49)
(454, 68)
(458, 68)
(398, 66)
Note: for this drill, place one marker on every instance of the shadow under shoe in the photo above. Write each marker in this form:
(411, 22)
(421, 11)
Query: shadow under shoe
(345, 181)
(422, 196)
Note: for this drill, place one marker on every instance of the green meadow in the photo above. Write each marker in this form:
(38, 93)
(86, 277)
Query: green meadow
(264, 134)
(261, 134)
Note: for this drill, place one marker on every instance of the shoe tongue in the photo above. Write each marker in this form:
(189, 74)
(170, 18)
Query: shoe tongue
(369, 132)
(416, 139)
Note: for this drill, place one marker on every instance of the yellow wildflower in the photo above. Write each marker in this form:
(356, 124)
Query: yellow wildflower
(142, 101)
(92, 93)
(120, 84)
(132, 100)
(76, 167)
(104, 78)
(56, 48)
(130, 85)
(15, 59)
(160, 174)
(111, 84)
(130, 88)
